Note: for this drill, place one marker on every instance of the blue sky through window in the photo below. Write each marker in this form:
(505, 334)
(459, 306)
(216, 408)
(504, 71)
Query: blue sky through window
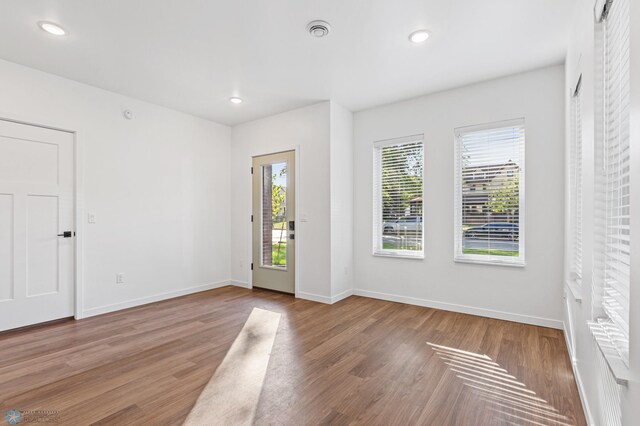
(280, 178)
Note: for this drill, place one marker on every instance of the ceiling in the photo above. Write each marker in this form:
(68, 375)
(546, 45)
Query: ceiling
(192, 55)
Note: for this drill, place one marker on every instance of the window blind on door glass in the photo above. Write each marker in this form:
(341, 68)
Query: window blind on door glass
(398, 203)
(575, 188)
(489, 193)
(613, 280)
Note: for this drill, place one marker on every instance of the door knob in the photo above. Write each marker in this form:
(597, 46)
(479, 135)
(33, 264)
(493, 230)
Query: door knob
(67, 234)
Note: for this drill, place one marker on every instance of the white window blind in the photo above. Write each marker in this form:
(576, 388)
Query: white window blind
(398, 167)
(489, 193)
(612, 278)
(575, 187)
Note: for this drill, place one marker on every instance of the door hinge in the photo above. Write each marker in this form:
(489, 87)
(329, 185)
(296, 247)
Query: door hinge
(251, 218)
(252, 266)
(251, 170)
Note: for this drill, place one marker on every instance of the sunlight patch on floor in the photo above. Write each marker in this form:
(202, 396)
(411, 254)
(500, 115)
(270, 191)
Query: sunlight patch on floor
(232, 394)
(508, 397)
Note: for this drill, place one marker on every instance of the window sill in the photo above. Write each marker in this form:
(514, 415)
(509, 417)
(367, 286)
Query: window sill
(399, 255)
(575, 290)
(493, 262)
(617, 366)
(273, 268)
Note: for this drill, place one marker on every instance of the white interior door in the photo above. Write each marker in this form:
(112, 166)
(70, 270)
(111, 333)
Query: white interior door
(36, 205)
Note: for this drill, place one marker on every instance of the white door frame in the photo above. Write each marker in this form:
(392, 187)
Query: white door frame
(259, 153)
(78, 198)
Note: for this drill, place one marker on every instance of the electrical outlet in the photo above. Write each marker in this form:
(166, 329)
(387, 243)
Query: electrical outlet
(119, 278)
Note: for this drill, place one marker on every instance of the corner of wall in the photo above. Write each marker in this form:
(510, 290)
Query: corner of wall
(341, 195)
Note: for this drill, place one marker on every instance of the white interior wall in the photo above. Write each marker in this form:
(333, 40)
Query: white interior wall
(532, 294)
(163, 167)
(159, 185)
(341, 177)
(581, 59)
(307, 130)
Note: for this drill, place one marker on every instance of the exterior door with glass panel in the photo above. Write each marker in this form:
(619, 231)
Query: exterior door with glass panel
(36, 225)
(274, 222)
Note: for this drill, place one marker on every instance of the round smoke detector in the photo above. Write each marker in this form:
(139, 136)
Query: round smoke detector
(318, 28)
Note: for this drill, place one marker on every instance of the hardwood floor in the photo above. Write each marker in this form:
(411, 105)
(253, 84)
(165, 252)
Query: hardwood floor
(360, 361)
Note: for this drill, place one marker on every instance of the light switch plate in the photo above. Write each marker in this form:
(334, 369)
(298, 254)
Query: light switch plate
(91, 218)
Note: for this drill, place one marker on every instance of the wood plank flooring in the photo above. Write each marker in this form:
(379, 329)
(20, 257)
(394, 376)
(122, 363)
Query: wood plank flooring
(360, 361)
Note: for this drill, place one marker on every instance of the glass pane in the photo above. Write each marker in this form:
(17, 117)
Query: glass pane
(274, 215)
(401, 180)
(491, 192)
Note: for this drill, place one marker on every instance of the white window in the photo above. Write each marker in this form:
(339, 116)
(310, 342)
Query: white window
(398, 168)
(612, 235)
(489, 225)
(575, 189)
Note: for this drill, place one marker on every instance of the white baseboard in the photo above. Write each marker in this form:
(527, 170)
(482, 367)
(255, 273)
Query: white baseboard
(150, 299)
(508, 316)
(576, 374)
(314, 297)
(340, 296)
(303, 295)
(242, 284)
(331, 300)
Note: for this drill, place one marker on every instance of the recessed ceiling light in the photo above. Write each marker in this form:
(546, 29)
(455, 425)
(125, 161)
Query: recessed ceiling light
(419, 36)
(235, 100)
(52, 28)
